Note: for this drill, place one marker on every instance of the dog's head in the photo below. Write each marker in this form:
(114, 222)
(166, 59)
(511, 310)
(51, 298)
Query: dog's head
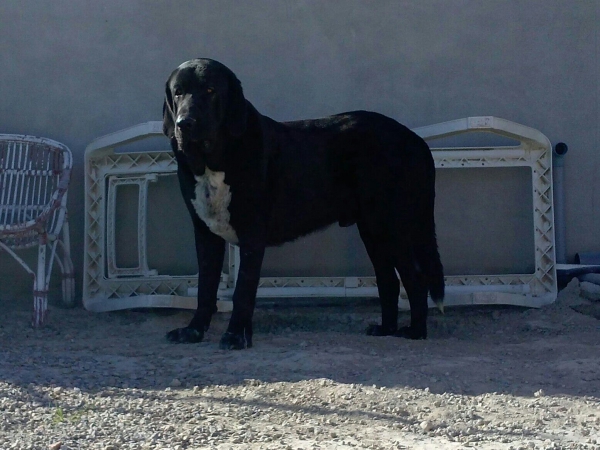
(204, 106)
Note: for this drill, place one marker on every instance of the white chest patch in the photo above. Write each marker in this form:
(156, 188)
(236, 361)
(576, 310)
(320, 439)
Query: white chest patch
(212, 202)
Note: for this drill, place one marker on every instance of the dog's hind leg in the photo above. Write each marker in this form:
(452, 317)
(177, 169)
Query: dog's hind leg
(415, 284)
(388, 285)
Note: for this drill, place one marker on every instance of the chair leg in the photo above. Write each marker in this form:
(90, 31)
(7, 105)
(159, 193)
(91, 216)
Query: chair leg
(40, 308)
(68, 271)
(40, 291)
(68, 282)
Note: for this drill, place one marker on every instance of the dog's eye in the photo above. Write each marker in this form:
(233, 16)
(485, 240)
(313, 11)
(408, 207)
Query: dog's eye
(210, 90)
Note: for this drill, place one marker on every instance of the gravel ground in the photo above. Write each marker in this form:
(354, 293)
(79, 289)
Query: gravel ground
(488, 378)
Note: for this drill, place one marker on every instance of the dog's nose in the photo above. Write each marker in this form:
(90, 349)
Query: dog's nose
(185, 123)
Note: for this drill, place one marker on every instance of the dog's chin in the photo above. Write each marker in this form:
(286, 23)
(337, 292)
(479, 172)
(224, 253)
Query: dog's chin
(190, 144)
(196, 165)
(198, 171)
(197, 152)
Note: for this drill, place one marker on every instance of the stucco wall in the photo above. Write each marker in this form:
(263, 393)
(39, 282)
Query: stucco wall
(74, 70)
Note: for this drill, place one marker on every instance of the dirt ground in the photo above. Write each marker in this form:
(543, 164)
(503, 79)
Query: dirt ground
(488, 377)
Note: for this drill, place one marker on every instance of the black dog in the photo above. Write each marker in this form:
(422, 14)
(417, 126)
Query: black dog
(255, 182)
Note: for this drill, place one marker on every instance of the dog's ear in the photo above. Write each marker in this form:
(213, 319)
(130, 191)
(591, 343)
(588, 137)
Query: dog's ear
(168, 119)
(236, 108)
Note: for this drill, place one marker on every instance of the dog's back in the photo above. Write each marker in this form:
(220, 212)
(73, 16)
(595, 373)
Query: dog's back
(356, 167)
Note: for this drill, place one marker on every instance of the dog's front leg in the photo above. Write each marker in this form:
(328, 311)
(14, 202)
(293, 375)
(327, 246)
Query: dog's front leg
(239, 333)
(210, 250)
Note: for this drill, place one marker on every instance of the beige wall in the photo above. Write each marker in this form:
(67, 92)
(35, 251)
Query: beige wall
(74, 70)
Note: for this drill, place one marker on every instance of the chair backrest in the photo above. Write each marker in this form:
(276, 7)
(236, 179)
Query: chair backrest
(34, 177)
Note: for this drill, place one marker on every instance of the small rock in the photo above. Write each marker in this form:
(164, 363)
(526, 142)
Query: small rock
(590, 291)
(426, 426)
(539, 393)
(55, 446)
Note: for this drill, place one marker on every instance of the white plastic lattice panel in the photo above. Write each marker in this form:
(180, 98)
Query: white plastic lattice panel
(533, 151)
(109, 287)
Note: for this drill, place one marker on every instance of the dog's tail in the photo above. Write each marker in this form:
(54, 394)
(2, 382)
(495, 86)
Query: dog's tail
(428, 258)
(426, 248)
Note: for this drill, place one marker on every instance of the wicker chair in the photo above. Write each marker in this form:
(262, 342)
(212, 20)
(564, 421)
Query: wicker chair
(34, 177)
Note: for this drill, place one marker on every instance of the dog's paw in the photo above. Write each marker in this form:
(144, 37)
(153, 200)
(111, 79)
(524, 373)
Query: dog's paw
(235, 341)
(187, 335)
(378, 330)
(411, 333)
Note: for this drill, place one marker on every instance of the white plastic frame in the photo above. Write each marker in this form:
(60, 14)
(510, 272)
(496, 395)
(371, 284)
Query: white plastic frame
(107, 287)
